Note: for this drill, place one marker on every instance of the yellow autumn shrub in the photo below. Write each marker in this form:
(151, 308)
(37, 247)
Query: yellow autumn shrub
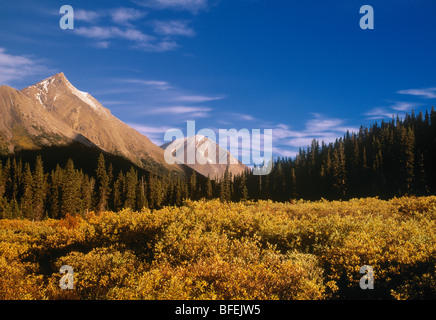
(214, 250)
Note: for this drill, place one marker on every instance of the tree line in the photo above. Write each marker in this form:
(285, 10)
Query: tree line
(28, 191)
(394, 158)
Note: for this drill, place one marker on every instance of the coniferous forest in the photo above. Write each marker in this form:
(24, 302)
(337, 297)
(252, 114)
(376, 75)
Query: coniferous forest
(389, 159)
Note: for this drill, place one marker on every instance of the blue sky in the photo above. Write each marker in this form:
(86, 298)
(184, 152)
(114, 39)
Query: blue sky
(302, 68)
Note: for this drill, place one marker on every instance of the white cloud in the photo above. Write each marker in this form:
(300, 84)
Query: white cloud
(139, 39)
(426, 93)
(156, 84)
(124, 16)
(155, 133)
(319, 124)
(197, 99)
(173, 28)
(320, 128)
(102, 44)
(121, 16)
(179, 110)
(188, 112)
(242, 116)
(379, 113)
(149, 129)
(396, 108)
(164, 98)
(194, 6)
(86, 15)
(118, 23)
(15, 67)
(404, 106)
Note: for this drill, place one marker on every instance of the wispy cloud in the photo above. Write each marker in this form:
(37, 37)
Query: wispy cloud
(173, 28)
(426, 93)
(404, 106)
(124, 16)
(103, 33)
(194, 6)
(154, 133)
(121, 16)
(379, 113)
(392, 110)
(320, 124)
(138, 38)
(107, 25)
(156, 84)
(197, 99)
(243, 116)
(19, 67)
(319, 127)
(185, 111)
(86, 15)
(160, 97)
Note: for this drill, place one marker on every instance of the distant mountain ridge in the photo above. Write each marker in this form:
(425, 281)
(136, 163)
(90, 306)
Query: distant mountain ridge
(214, 167)
(53, 112)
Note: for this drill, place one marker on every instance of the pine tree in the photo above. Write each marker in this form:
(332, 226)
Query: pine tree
(87, 190)
(225, 192)
(2, 181)
(142, 194)
(131, 187)
(118, 192)
(54, 193)
(102, 185)
(7, 172)
(70, 192)
(339, 173)
(27, 193)
(193, 186)
(209, 188)
(243, 191)
(409, 165)
(39, 189)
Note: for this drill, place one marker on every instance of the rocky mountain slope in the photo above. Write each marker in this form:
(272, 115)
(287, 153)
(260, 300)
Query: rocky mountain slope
(206, 163)
(55, 113)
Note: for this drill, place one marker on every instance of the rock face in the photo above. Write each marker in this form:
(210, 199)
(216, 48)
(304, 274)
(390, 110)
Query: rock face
(54, 112)
(206, 163)
(24, 124)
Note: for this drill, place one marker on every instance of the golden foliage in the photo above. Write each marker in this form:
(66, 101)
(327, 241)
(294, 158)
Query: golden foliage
(214, 250)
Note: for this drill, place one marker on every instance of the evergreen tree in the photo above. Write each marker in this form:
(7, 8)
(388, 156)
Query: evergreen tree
(27, 193)
(102, 185)
(118, 192)
(339, 174)
(70, 192)
(243, 191)
(54, 193)
(193, 186)
(131, 187)
(142, 194)
(225, 192)
(209, 188)
(39, 189)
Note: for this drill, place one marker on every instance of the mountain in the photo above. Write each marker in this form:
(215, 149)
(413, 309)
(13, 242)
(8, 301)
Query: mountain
(208, 164)
(54, 113)
(26, 125)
